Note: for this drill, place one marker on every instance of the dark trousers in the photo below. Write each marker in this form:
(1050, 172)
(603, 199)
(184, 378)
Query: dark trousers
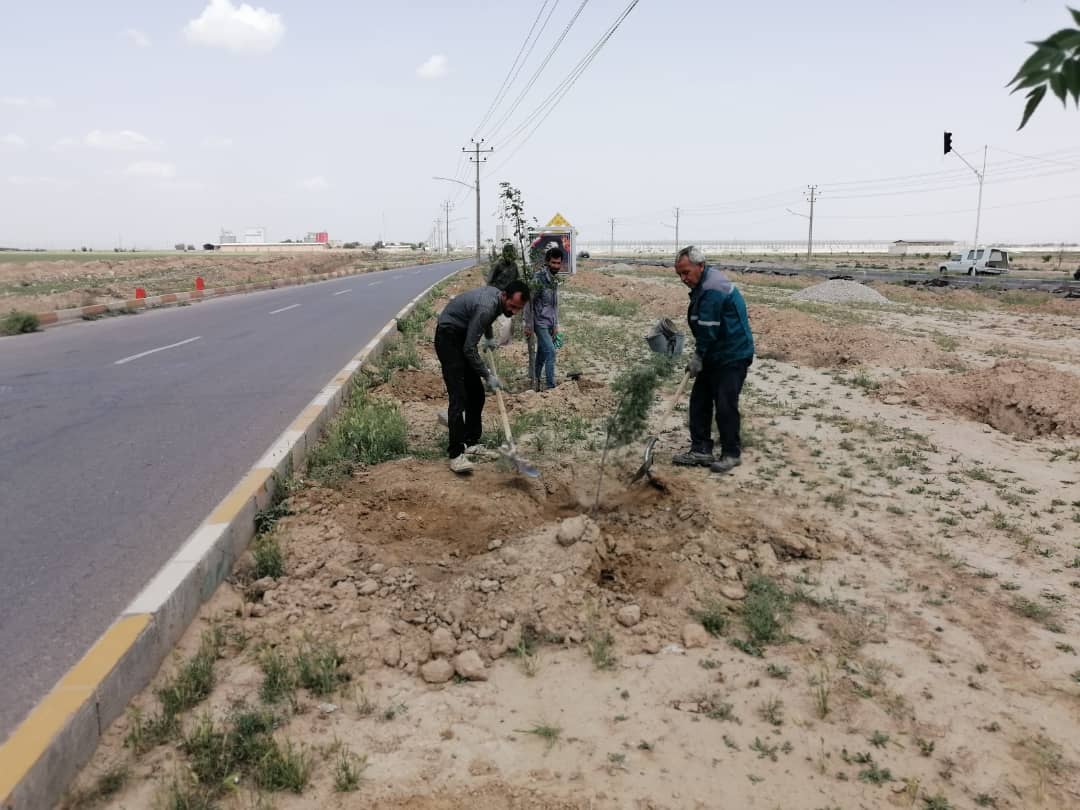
(465, 389)
(717, 390)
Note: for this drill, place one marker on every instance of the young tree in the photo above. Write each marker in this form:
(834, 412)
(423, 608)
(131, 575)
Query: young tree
(514, 209)
(1055, 65)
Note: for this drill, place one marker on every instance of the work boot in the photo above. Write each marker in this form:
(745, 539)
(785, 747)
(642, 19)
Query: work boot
(461, 464)
(692, 458)
(725, 464)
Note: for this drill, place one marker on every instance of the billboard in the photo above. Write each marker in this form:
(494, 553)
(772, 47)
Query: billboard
(542, 239)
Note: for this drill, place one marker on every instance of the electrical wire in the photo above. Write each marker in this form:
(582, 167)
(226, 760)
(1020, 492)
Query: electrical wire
(506, 80)
(543, 110)
(536, 74)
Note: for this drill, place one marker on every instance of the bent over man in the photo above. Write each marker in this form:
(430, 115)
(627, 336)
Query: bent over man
(461, 324)
(724, 351)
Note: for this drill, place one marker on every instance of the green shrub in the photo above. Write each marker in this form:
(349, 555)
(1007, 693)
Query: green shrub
(367, 431)
(18, 323)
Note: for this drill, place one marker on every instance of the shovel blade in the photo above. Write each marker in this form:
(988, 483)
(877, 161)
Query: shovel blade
(646, 465)
(521, 465)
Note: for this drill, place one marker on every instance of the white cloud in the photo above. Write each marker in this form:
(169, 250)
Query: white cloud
(434, 68)
(138, 38)
(216, 142)
(240, 28)
(13, 140)
(20, 180)
(65, 143)
(151, 168)
(40, 102)
(122, 140)
(316, 183)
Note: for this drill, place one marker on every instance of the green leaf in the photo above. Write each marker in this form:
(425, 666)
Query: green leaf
(1034, 98)
(1057, 84)
(1057, 39)
(1075, 15)
(1071, 70)
(1036, 61)
(1039, 77)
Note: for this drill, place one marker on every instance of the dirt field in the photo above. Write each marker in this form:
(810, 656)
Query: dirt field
(877, 609)
(59, 283)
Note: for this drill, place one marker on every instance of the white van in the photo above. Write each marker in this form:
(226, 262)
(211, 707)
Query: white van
(984, 260)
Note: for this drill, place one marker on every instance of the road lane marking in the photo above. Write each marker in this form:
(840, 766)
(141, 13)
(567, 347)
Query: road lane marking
(155, 351)
(284, 309)
(376, 283)
(342, 292)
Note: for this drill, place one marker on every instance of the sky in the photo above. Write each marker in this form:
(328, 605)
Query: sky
(147, 124)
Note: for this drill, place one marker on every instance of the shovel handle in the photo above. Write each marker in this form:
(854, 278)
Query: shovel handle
(675, 399)
(502, 407)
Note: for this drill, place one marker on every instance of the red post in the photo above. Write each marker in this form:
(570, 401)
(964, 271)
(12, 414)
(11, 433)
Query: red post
(200, 284)
(140, 292)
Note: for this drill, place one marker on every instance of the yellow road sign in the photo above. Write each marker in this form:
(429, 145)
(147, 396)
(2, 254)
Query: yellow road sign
(558, 221)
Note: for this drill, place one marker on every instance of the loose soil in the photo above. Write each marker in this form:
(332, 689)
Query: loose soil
(42, 286)
(913, 496)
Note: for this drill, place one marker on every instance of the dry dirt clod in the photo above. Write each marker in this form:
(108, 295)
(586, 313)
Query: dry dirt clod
(470, 665)
(651, 644)
(437, 670)
(576, 528)
(694, 635)
(379, 628)
(346, 589)
(391, 653)
(733, 591)
(629, 615)
(368, 587)
(766, 557)
(443, 642)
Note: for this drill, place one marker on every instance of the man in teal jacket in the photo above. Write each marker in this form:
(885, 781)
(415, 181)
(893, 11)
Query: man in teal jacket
(724, 352)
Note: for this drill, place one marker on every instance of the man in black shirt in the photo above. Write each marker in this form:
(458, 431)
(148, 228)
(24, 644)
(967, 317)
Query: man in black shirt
(457, 337)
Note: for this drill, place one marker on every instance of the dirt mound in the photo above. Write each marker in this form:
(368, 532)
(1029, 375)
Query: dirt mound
(656, 297)
(414, 385)
(795, 336)
(839, 291)
(1025, 399)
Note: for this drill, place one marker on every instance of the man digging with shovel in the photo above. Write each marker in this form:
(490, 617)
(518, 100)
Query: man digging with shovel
(457, 337)
(724, 352)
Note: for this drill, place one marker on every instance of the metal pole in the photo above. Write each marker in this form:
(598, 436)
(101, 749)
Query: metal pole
(476, 150)
(810, 236)
(978, 211)
(676, 229)
(611, 250)
(448, 205)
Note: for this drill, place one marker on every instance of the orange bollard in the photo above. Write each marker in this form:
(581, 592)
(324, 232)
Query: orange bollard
(200, 284)
(140, 292)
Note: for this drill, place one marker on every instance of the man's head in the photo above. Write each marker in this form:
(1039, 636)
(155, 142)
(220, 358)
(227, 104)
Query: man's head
(514, 297)
(509, 252)
(553, 259)
(689, 265)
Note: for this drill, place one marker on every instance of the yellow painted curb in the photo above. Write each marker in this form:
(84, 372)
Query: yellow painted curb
(33, 736)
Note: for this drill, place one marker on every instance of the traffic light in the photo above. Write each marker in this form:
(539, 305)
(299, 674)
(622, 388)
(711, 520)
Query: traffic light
(948, 142)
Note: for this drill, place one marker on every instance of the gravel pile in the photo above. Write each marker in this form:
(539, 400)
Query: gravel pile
(838, 291)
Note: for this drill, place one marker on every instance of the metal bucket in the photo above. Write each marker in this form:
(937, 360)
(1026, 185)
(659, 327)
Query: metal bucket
(663, 338)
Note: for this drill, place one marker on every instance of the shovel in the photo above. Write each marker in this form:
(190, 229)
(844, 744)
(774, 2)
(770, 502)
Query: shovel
(646, 465)
(509, 450)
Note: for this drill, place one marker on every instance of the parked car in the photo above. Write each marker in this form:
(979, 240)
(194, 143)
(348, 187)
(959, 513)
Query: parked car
(584, 254)
(983, 260)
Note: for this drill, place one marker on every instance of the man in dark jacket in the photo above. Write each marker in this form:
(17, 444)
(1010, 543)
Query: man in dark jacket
(542, 315)
(457, 337)
(724, 352)
(505, 269)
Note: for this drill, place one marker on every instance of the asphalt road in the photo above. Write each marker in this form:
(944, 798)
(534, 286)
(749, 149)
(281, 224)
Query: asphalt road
(118, 437)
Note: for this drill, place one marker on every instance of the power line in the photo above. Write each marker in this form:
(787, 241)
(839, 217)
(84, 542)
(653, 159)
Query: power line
(536, 74)
(506, 80)
(553, 99)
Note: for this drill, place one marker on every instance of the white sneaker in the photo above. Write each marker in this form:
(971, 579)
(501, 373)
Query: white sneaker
(477, 450)
(461, 464)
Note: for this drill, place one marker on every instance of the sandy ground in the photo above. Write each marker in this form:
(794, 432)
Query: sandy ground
(41, 286)
(910, 487)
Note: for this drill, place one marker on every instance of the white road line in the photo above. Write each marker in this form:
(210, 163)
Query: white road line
(342, 292)
(155, 351)
(376, 283)
(284, 309)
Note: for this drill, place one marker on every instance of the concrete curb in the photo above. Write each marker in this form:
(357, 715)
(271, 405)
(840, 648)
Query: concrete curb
(61, 317)
(47, 750)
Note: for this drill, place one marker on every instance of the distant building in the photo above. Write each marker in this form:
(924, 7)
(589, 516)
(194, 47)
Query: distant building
(903, 247)
(322, 237)
(227, 238)
(254, 236)
(273, 247)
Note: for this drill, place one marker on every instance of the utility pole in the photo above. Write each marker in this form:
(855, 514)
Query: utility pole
(611, 251)
(447, 206)
(476, 150)
(813, 196)
(980, 176)
(677, 230)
